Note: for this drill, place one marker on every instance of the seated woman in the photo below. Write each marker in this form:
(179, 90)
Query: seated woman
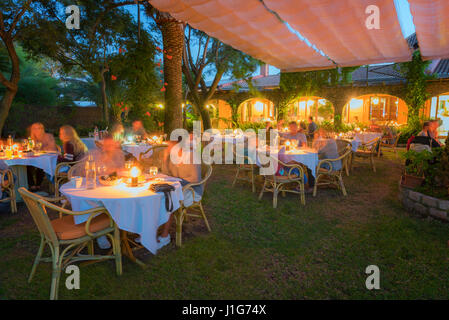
(47, 143)
(73, 148)
(327, 149)
(187, 172)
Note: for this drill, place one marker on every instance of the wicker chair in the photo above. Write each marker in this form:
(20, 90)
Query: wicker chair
(278, 184)
(153, 149)
(247, 168)
(329, 175)
(341, 147)
(390, 146)
(66, 239)
(63, 176)
(7, 185)
(192, 201)
(367, 150)
(98, 144)
(77, 170)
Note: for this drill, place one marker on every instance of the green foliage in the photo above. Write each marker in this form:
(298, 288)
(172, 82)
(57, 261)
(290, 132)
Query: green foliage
(326, 111)
(413, 127)
(252, 125)
(107, 41)
(416, 82)
(418, 162)
(36, 86)
(294, 85)
(443, 168)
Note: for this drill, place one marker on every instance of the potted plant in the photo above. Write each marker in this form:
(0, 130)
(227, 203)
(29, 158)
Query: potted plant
(417, 163)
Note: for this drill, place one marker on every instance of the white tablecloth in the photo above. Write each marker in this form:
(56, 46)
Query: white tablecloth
(136, 210)
(137, 149)
(367, 136)
(307, 157)
(134, 149)
(46, 162)
(90, 143)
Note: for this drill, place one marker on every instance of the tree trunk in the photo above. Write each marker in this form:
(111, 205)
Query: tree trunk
(11, 86)
(205, 117)
(5, 105)
(173, 41)
(104, 97)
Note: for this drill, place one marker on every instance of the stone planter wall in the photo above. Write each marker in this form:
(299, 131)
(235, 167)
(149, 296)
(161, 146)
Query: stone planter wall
(423, 205)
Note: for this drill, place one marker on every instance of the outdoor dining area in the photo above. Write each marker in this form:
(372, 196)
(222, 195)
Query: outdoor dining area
(123, 188)
(147, 152)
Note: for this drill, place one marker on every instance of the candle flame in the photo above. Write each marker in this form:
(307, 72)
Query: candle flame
(135, 172)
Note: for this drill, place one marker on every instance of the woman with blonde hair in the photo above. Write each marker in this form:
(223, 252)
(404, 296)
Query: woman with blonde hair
(38, 134)
(73, 148)
(45, 142)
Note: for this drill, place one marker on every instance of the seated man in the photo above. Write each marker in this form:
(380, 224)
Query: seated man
(294, 134)
(111, 156)
(188, 173)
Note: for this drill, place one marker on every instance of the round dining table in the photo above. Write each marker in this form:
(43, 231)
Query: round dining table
(133, 148)
(134, 209)
(306, 156)
(45, 161)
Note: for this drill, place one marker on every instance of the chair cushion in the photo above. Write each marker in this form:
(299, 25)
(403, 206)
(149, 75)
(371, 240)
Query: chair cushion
(188, 199)
(66, 229)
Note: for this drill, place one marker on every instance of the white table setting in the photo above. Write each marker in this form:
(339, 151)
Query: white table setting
(18, 164)
(135, 209)
(306, 156)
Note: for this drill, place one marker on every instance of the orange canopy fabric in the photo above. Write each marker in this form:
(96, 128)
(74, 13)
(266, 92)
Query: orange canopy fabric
(249, 27)
(338, 28)
(432, 27)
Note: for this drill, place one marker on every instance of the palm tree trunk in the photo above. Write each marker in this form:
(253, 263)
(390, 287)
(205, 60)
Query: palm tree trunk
(104, 96)
(173, 41)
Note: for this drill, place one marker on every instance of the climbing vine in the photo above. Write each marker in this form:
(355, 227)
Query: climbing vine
(294, 85)
(416, 82)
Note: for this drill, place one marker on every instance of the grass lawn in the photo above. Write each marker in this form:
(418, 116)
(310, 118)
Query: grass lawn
(319, 251)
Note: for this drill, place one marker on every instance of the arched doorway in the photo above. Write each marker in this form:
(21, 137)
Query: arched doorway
(381, 108)
(257, 110)
(303, 108)
(220, 113)
(437, 107)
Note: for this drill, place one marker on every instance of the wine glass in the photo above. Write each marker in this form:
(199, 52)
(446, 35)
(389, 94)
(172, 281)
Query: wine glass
(101, 170)
(38, 147)
(153, 172)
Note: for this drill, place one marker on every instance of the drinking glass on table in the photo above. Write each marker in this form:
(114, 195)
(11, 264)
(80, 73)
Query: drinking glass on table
(101, 170)
(153, 171)
(38, 147)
